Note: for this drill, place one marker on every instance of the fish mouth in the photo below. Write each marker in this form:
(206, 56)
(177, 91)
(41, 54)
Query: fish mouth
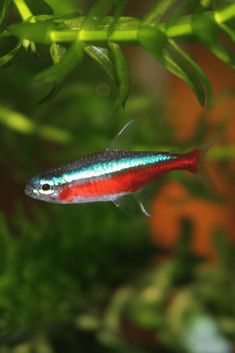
(30, 191)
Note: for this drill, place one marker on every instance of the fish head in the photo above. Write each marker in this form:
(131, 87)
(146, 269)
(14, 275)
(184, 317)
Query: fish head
(42, 188)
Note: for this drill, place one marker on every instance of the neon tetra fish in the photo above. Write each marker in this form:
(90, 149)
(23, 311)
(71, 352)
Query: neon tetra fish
(110, 175)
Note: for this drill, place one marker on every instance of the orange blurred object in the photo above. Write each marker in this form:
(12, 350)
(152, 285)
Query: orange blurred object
(174, 203)
(184, 111)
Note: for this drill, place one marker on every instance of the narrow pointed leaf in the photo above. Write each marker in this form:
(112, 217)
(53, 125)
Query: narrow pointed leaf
(7, 58)
(174, 59)
(159, 10)
(121, 74)
(96, 13)
(227, 28)
(59, 71)
(229, 31)
(57, 52)
(50, 93)
(55, 74)
(119, 7)
(181, 68)
(190, 72)
(61, 7)
(207, 31)
(102, 57)
(181, 9)
(3, 9)
(153, 40)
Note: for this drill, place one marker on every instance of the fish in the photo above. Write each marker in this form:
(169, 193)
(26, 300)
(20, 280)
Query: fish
(110, 175)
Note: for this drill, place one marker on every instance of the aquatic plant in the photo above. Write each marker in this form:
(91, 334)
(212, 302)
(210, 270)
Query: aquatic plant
(71, 35)
(86, 278)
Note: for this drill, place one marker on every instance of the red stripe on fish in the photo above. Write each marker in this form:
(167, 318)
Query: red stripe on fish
(130, 180)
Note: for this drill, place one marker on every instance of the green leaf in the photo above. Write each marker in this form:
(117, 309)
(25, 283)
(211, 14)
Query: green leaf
(158, 11)
(227, 28)
(119, 7)
(189, 71)
(61, 7)
(7, 58)
(102, 57)
(69, 61)
(207, 31)
(3, 10)
(121, 74)
(177, 12)
(153, 40)
(57, 52)
(55, 74)
(96, 13)
(174, 59)
(229, 31)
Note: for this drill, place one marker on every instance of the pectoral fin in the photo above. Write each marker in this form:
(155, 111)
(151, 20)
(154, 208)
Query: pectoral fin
(127, 205)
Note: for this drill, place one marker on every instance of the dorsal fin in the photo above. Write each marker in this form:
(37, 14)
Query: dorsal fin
(124, 139)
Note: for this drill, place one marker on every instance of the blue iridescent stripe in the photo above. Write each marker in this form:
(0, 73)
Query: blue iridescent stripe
(105, 168)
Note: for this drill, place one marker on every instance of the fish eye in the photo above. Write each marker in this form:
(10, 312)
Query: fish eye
(46, 189)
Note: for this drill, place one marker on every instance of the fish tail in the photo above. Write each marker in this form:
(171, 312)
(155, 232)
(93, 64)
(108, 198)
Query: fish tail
(199, 164)
(194, 161)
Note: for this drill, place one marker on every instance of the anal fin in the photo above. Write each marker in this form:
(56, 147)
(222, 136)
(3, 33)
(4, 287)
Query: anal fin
(145, 197)
(130, 204)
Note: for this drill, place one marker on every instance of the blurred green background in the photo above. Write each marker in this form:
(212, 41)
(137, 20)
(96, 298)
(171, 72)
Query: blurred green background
(85, 278)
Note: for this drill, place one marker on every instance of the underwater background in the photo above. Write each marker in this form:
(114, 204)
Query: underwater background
(86, 278)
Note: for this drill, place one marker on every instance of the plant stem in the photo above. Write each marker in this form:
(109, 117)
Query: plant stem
(25, 13)
(226, 14)
(181, 29)
(23, 9)
(130, 36)
(126, 28)
(184, 26)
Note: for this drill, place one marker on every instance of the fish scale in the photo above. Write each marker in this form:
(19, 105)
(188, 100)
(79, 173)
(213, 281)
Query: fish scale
(118, 176)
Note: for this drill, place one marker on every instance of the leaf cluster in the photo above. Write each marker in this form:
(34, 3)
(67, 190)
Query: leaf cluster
(99, 35)
(61, 269)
